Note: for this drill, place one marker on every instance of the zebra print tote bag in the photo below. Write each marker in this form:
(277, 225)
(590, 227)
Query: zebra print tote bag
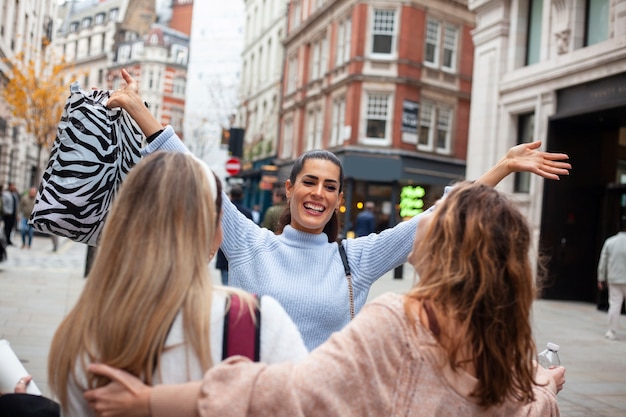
(94, 149)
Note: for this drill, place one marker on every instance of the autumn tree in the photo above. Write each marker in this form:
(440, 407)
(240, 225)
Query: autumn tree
(36, 94)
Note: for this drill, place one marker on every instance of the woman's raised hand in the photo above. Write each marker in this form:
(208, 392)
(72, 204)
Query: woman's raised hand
(126, 96)
(527, 158)
(129, 99)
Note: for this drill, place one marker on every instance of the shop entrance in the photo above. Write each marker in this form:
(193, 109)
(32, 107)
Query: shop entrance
(580, 211)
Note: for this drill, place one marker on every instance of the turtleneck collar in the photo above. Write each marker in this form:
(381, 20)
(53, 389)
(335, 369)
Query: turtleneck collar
(295, 237)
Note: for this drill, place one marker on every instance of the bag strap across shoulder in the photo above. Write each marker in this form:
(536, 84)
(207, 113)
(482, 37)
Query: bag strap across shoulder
(242, 332)
(346, 267)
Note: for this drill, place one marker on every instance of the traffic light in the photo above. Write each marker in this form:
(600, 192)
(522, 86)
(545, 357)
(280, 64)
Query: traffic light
(235, 142)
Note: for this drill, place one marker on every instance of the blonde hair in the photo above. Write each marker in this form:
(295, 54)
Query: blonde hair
(151, 264)
(475, 271)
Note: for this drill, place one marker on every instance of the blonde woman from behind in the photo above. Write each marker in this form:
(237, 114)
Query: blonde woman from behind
(149, 306)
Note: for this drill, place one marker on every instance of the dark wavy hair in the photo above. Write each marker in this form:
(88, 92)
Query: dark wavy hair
(332, 227)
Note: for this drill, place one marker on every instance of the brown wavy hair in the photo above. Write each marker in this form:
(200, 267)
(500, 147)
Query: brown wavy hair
(150, 265)
(474, 269)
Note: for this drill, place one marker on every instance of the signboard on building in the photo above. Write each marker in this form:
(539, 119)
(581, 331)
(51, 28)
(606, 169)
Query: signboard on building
(410, 113)
(410, 118)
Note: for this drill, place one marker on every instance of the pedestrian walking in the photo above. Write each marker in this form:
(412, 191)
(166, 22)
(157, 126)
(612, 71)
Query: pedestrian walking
(10, 208)
(612, 273)
(302, 267)
(273, 213)
(26, 207)
(444, 349)
(365, 222)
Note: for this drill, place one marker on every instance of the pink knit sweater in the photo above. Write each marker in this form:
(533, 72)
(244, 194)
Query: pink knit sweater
(376, 366)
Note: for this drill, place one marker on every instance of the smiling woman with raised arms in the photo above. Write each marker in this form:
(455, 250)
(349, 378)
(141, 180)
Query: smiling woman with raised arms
(301, 267)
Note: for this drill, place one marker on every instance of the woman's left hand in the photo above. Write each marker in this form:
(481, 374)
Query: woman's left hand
(527, 158)
(558, 374)
(555, 375)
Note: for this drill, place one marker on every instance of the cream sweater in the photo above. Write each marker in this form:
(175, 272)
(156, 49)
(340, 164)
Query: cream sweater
(376, 366)
(279, 341)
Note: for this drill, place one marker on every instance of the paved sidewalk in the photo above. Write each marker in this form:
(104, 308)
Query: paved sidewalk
(38, 287)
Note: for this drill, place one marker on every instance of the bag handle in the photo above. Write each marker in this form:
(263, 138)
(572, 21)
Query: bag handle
(346, 267)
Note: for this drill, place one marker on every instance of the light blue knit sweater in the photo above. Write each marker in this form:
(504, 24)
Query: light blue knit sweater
(303, 271)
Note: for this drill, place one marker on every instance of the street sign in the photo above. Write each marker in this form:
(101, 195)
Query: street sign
(233, 166)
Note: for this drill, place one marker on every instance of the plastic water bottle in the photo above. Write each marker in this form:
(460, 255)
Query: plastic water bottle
(549, 358)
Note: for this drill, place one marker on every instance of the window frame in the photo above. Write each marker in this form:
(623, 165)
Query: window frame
(287, 143)
(344, 38)
(374, 32)
(388, 118)
(442, 29)
(292, 74)
(338, 121)
(601, 25)
(431, 118)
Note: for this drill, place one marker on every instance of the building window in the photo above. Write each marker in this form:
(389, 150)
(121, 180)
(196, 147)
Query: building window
(117, 83)
(319, 129)
(383, 30)
(314, 129)
(597, 21)
(450, 42)
(176, 119)
(74, 26)
(99, 18)
(297, 11)
(287, 145)
(525, 134)
(86, 22)
(432, 42)
(123, 53)
(179, 86)
(377, 117)
(533, 41)
(292, 76)
(344, 34)
(438, 53)
(179, 54)
(113, 13)
(137, 51)
(318, 60)
(150, 80)
(339, 115)
(435, 128)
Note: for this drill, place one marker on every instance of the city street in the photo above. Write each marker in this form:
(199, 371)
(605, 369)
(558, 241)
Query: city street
(38, 287)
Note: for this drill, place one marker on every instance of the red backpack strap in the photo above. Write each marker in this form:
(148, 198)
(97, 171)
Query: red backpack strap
(241, 334)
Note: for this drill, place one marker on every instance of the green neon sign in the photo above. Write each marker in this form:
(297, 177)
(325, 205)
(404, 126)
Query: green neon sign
(411, 200)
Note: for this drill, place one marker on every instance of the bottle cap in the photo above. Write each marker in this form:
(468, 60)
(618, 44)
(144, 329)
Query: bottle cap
(553, 346)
